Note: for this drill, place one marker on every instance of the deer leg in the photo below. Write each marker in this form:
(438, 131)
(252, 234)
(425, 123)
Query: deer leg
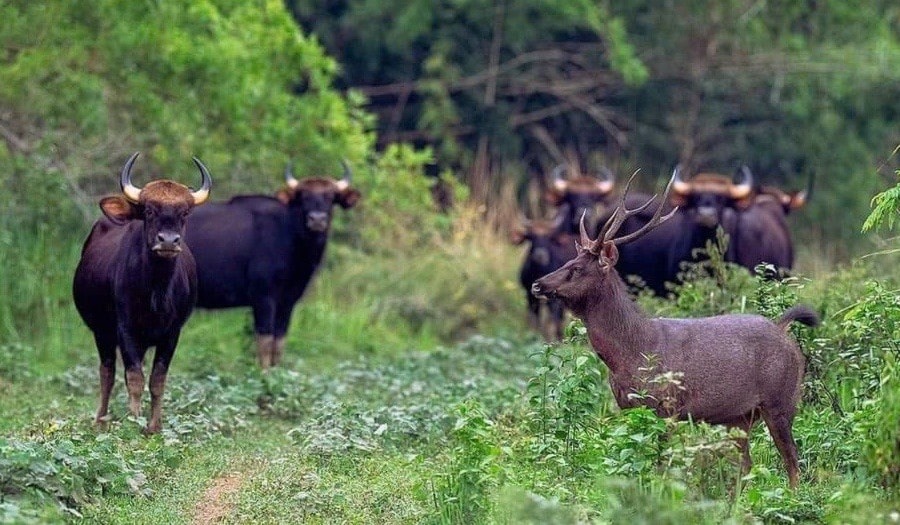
(106, 347)
(743, 443)
(779, 425)
(161, 360)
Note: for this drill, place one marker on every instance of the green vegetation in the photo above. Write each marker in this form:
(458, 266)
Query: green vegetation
(411, 392)
(486, 430)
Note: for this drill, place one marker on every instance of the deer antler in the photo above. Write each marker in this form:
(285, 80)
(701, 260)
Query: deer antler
(622, 213)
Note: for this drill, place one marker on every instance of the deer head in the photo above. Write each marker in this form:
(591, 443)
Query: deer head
(584, 276)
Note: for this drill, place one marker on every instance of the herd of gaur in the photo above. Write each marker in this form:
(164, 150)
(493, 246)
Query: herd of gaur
(156, 253)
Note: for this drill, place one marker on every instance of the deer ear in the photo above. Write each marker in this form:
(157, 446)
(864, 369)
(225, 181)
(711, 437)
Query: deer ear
(118, 210)
(609, 254)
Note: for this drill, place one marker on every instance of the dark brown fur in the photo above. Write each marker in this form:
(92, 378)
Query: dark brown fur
(550, 246)
(136, 285)
(263, 252)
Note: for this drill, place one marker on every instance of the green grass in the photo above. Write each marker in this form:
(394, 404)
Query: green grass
(391, 408)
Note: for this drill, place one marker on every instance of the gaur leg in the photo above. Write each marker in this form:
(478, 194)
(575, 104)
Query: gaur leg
(534, 311)
(106, 347)
(556, 320)
(133, 359)
(161, 360)
(264, 326)
(264, 350)
(282, 320)
(278, 350)
(779, 424)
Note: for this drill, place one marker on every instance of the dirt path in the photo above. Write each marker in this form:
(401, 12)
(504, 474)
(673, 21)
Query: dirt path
(215, 504)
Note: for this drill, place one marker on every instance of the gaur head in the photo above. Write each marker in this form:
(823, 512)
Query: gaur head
(311, 199)
(789, 200)
(583, 278)
(544, 236)
(582, 193)
(162, 205)
(706, 197)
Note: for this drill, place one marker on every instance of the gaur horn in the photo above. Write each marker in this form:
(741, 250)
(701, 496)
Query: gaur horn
(132, 192)
(607, 180)
(803, 196)
(202, 194)
(559, 183)
(344, 183)
(289, 179)
(679, 186)
(743, 189)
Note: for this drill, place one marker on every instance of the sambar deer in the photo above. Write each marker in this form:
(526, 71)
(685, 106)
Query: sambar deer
(733, 369)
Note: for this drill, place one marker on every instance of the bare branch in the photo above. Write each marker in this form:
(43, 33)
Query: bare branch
(13, 141)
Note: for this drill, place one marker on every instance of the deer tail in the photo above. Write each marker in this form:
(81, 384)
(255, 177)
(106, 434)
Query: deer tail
(801, 314)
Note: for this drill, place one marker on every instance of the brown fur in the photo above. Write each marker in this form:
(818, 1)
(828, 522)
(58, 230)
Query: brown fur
(323, 186)
(135, 287)
(733, 369)
(166, 192)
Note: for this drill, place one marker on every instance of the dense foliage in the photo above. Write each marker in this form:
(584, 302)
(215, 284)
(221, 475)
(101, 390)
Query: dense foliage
(506, 90)
(410, 392)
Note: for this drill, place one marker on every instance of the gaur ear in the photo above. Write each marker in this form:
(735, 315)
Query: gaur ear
(118, 209)
(517, 236)
(348, 198)
(798, 200)
(746, 202)
(553, 197)
(284, 196)
(677, 200)
(609, 254)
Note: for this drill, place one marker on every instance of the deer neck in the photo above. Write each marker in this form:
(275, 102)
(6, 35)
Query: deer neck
(618, 329)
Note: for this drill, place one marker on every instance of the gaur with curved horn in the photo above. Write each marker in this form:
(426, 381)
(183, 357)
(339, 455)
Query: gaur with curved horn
(262, 251)
(133, 193)
(136, 283)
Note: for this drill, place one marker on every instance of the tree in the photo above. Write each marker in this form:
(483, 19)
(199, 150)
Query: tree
(493, 85)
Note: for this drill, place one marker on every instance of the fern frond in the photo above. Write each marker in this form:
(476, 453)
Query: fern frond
(885, 206)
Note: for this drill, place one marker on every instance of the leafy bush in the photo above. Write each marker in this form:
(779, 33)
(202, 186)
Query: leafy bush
(565, 395)
(460, 495)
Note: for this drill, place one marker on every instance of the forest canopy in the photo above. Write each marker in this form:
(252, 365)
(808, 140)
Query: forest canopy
(506, 90)
(500, 92)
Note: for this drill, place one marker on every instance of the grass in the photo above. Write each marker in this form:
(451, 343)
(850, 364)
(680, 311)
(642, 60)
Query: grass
(395, 406)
